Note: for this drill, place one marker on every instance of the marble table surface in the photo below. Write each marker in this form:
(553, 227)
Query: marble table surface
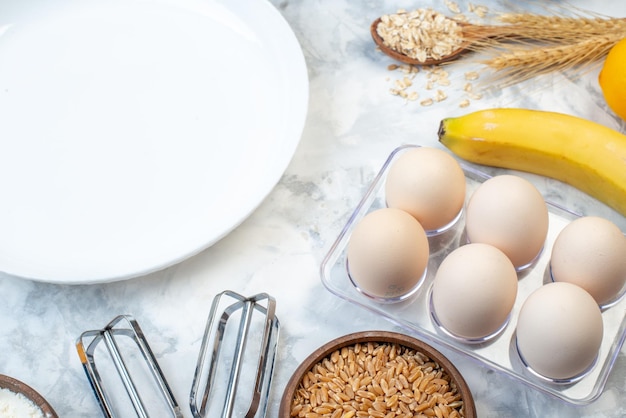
(353, 123)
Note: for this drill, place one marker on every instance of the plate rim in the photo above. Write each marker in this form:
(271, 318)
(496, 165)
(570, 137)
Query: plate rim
(293, 114)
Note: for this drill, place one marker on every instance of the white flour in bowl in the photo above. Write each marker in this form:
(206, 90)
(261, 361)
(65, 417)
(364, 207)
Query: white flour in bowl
(16, 405)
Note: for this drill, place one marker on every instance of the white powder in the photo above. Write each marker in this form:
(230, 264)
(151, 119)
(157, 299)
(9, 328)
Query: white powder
(16, 405)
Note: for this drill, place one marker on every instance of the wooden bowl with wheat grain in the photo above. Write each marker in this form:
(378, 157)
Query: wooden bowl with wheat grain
(377, 373)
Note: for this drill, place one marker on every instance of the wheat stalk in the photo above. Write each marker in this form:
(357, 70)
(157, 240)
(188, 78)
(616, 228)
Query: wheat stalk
(560, 29)
(531, 45)
(518, 63)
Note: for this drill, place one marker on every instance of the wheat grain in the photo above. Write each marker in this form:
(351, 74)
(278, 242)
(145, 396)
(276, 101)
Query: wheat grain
(383, 384)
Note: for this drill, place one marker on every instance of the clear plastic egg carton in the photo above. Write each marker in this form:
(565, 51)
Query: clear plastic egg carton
(499, 353)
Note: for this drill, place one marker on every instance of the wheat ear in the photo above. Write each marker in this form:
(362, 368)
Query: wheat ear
(560, 29)
(519, 63)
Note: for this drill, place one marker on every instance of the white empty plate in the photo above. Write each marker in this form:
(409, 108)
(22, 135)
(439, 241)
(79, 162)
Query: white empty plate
(136, 133)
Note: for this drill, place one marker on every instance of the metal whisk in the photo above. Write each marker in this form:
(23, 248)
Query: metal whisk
(233, 315)
(238, 348)
(143, 381)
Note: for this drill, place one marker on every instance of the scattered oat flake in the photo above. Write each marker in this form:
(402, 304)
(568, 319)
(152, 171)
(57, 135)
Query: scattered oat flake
(393, 67)
(410, 69)
(413, 96)
(475, 96)
(452, 6)
(460, 17)
(468, 87)
(471, 75)
(480, 11)
(427, 102)
(441, 95)
(464, 103)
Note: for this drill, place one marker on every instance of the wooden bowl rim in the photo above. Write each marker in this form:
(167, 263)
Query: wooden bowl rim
(380, 337)
(22, 388)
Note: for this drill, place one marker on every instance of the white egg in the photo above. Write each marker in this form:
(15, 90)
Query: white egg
(474, 291)
(559, 331)
(508, 212)
(387, 254)
(429, 184)
(591, 252)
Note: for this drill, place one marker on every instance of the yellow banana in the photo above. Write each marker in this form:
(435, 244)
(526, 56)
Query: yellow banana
(576, 151)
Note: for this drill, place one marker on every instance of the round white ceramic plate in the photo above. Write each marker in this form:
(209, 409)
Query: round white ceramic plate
(136, 133)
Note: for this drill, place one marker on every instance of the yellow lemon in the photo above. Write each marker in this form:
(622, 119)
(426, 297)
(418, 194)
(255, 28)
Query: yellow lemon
(612, 79)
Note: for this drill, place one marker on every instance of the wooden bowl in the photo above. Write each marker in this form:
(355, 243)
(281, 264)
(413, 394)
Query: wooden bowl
(22, 388)
(376, 337)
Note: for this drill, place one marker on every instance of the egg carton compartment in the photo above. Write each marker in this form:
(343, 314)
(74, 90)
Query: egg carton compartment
(500, 352)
